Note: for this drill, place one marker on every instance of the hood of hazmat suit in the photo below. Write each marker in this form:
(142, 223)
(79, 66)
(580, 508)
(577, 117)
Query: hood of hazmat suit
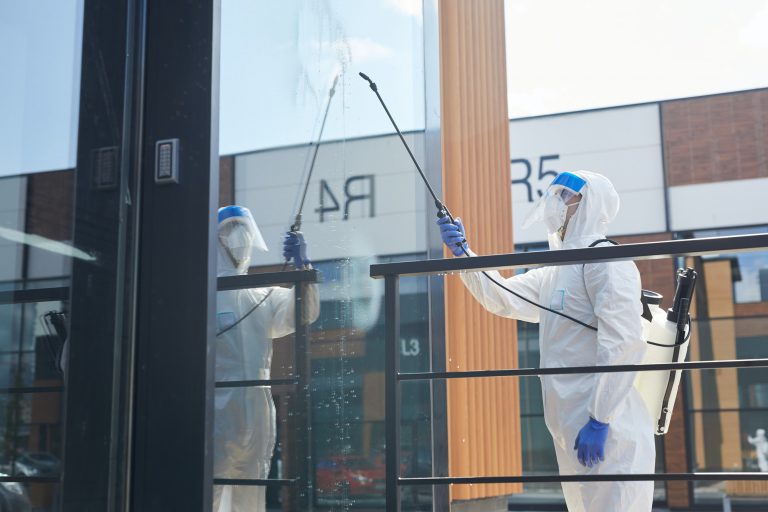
(247, 321)
(604, 295)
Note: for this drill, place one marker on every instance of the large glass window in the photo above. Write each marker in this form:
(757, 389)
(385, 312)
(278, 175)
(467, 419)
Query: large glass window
(729, 408)
(301, 132)
(40, 46)
(749, 270)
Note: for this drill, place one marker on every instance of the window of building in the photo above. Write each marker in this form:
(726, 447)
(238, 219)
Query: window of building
(750, 269)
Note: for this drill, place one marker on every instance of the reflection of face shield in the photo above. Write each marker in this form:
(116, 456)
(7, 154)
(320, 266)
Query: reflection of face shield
(238, 234)
(236, 240)
(552, 207)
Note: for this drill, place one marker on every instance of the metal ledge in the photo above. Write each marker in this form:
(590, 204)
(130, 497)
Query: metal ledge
(34, 295)
(268, 279)
(31, 390)
(255, 481)
(223, 283)
(255, 383)
(530, 372)
(31, 479)
(639, 251)
(640, 477)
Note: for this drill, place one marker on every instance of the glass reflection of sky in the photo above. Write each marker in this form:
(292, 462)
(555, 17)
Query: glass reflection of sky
(279, 59)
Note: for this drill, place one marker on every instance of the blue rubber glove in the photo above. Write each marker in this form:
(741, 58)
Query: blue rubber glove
(453, 235)
(295, 248)
(590, 443)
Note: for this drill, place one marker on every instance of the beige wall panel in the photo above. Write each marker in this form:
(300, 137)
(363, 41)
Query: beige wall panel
(483, 414)
(718, 278)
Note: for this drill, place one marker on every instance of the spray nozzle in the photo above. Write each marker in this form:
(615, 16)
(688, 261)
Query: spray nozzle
(333, 87)
(296, 226)
(370, 82)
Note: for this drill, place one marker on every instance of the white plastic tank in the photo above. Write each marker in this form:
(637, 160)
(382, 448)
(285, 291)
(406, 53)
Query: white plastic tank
(659, 388)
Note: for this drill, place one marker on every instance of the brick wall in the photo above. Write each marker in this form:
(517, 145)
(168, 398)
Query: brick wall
(226, 180)
(716, 138)
(50, 197)
(657, 275)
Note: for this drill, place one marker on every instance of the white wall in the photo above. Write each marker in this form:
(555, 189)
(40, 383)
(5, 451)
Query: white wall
(718, 205)
(270, 184)
(624, 144)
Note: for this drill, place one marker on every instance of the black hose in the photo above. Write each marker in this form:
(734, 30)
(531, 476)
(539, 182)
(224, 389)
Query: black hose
(297, 222)
(443, 211)
(296, 226)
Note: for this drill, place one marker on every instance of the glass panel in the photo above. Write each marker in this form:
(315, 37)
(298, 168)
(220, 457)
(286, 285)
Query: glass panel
(40, 47)
(30, 433)
(728, 441)
(749, 271)
(301, 132)
(23, 497)
(31, 444)
(47, 150)
(730, 408)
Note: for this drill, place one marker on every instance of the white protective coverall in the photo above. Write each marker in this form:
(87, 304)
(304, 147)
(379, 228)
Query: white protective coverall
(605, 295)
(761, 448)
(244, 420)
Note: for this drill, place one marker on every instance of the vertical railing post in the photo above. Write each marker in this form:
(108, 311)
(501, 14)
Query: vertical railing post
(392, 387)
(304, 487)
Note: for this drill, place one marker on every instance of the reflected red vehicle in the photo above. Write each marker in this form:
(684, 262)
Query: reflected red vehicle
(350, 475)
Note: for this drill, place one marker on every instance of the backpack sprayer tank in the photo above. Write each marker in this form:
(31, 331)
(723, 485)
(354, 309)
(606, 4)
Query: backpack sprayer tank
(666, 336)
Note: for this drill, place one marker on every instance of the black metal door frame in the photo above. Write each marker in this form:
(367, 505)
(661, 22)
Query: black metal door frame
(96, 391)
(176, 299)
(140, 379)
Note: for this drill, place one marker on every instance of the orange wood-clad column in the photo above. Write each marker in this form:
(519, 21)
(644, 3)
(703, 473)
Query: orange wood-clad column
(483, 414)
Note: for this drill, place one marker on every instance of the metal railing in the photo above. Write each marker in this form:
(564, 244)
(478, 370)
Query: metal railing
(303, 476)
(301, 374)
(391, 274)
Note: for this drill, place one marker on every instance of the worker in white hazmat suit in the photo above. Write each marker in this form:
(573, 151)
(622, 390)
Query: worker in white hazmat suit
(761, 448)
(248, 320)
(598, 421)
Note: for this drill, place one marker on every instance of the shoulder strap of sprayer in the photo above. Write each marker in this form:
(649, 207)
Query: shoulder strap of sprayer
(598, 242)
(594, 244)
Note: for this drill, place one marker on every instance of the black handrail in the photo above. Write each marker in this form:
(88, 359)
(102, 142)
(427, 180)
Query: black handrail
(391, 272)
(268, 279)
(30, 295)
(300, 379)
(30, 390)
(619, 477)
(570, 370)
(640, 251)
(26, 296)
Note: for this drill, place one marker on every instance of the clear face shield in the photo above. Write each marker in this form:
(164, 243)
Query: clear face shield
(239, 235)
(562, 195)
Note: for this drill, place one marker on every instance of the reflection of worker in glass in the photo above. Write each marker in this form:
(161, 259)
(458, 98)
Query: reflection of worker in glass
(248, 320)
(761, 448)
(598, 421)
